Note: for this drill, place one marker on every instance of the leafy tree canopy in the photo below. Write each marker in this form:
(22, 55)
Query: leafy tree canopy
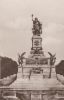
(8, 67)
(60, 68)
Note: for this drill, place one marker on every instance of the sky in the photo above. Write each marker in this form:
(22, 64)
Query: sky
(16, 25)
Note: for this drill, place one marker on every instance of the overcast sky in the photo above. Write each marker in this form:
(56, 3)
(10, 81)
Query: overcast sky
(16, 24)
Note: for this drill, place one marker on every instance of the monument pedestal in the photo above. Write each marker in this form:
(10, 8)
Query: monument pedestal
(37, 63)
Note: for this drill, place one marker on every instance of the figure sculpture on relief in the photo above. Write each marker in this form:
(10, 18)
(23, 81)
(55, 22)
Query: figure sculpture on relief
(37, 26)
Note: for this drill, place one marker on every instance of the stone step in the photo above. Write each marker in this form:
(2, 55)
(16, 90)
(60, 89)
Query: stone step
(37, 76)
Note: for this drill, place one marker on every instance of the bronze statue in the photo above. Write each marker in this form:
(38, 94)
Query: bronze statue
(20, 58)
(52, 58)
(37, 26)
(52, 61)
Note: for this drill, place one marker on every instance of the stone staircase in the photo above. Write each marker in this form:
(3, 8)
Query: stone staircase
(36, 76)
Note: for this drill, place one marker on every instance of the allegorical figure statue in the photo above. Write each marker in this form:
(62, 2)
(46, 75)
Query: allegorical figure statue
(37, 26)
(20, 58)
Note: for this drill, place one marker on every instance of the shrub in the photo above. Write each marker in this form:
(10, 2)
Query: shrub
(60, 68)
(8, 67)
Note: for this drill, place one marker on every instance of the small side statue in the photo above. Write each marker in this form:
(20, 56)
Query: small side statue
(20, 58)
(52, 62)
(52, 58)
(37, 27)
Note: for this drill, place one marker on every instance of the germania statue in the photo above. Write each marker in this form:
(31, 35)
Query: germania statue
(37, 26)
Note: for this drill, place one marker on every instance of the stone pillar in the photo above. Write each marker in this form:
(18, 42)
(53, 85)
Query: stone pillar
(1, 95)
(53, 72)
(42, 97)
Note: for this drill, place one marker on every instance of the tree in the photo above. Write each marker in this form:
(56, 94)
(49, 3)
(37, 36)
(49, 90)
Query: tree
(60, 71)
(8, 67)
(60, 68)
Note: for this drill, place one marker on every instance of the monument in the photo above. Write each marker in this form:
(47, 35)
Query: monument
(37, 63)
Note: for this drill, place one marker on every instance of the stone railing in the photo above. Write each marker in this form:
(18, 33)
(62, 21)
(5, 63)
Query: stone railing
(49, 94)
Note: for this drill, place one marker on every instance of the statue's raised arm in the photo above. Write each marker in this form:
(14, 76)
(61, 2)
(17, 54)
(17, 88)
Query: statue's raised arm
(37, 26)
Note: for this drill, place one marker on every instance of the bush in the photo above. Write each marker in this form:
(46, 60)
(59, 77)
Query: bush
(8, 67)
(60, 68)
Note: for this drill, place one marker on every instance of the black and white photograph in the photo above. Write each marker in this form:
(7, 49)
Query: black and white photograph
(31, 49)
